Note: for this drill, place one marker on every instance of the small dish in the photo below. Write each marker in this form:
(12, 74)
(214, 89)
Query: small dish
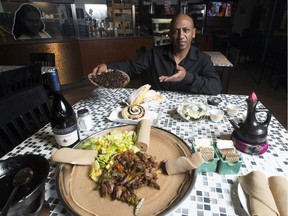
(193, 110)
(216, 115)
(232, 109)
(214, 101)
(110, 79)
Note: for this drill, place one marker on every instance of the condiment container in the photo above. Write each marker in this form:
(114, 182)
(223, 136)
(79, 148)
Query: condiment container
(207, 166)
(224, 166)
(85, 122)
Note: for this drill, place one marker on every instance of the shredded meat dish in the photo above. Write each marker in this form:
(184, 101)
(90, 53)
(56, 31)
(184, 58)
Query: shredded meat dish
(129, 171)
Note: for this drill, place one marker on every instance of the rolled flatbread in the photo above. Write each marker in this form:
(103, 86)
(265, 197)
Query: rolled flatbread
(279, 188)
(74, 156)
(261, 200)
(183, 164)
(143, 134)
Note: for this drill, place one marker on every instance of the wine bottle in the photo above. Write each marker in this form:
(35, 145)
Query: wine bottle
(63, 117)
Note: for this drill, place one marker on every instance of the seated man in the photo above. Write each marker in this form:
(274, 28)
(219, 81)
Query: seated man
(178, 66)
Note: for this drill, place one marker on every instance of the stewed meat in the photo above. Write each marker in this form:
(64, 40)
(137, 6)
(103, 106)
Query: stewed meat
(129, 171)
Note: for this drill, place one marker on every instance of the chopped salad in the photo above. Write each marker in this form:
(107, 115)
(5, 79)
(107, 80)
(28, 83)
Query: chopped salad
(113, 143)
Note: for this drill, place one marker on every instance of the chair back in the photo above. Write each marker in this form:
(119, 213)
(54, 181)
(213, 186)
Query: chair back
(45, 60)
(22, 114)
(18, 78)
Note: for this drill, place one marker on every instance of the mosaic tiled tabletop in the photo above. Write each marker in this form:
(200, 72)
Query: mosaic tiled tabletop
(213, 194)
(219, 59)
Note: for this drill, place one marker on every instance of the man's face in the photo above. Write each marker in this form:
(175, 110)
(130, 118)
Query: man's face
(32, 21)
(182, 33)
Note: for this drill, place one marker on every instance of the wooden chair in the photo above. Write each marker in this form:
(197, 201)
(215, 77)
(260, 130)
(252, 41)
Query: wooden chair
(45, 60)
(17, 79)
(22, 114)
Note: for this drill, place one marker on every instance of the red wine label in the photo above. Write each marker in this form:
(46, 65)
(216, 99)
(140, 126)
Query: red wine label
(66, 137)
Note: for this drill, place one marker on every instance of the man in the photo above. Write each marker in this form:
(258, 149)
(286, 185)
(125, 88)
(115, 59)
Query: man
(178, 66)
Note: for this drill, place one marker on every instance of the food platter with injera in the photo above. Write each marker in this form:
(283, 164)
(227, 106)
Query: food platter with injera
(78, 191)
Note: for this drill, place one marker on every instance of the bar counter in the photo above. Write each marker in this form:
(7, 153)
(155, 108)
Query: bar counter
(75, 57)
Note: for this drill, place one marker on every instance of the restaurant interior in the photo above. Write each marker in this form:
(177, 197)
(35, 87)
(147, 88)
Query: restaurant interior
(85, 34)
(251, 35)
(80, 31)
(247, 43)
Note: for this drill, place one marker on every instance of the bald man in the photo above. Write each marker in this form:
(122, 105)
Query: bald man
(178, 66)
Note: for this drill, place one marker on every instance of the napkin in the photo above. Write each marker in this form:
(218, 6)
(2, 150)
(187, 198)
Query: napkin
(143, 134)
(183, 164)
(144, 95)
(74, 156)
(137, 96)
(260, 198)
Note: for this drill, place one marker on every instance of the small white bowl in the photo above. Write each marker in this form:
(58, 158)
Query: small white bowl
(232, 109)
(216, 115)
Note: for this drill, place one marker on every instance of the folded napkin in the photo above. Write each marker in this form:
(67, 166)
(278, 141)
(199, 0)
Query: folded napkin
(183, 164)
(261, 199)
(143, 134)
(144, 95)
(74, 156)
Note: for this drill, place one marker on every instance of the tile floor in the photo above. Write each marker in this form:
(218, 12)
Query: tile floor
(243, 82)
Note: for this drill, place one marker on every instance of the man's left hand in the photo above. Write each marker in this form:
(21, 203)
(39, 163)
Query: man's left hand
(178, 76)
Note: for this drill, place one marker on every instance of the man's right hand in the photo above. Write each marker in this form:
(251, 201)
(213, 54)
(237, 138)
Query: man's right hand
(102, 68)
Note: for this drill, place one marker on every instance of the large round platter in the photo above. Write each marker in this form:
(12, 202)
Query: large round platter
(78, 192)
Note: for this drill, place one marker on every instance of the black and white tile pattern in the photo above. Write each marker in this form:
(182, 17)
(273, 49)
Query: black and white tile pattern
(213, 194)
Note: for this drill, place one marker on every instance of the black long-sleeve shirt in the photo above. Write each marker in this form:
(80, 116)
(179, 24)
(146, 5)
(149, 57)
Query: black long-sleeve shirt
(201, 77)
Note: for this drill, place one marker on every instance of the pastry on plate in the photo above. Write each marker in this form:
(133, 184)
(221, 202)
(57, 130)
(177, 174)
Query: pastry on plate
(133, 112)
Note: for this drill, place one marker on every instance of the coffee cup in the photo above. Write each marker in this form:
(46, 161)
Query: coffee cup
(216, 115)
(232, 109)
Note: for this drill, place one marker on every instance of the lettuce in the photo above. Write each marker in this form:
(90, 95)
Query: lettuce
(114, 142)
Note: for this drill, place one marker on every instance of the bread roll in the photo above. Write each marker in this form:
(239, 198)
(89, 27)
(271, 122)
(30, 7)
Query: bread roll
(133, 112)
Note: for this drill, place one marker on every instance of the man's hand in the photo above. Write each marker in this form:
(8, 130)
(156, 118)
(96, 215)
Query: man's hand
(100, 69)
(178, 76)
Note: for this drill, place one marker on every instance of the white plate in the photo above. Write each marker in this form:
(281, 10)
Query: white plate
(243, 199)
(186, 117)
(116, 116)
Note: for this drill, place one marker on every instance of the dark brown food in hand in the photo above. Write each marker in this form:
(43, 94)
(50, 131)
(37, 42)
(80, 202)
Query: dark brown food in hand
(129, 171)
(110, 79)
